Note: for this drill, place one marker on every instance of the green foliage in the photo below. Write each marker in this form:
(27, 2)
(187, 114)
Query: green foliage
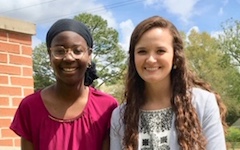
(204, 56)
(107, 53)
(212, 64)
(231, 40)
(43, 73)
(233, 136)
(230, 45)
(116, 90)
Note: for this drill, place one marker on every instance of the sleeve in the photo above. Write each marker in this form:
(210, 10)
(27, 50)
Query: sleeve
(116, 131)
(212, 125)
(20, 124)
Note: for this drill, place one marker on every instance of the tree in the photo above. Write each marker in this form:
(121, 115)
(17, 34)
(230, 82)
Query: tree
(213, 65)
(43, 73)
(204, 57)
(107, 54)
(231, 40)
(230, 45)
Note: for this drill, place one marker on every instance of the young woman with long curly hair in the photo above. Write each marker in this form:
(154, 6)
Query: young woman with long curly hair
(166, 106)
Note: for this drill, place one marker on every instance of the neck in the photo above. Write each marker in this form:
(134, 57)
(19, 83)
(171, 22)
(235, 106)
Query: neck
(69, 92)
(158, 96)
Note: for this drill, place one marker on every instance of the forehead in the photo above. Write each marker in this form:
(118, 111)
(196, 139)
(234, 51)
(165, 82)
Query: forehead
(161, 36)
(157, 31)
(68, 38)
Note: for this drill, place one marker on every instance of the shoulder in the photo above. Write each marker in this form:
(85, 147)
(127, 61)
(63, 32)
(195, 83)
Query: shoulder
(120, 108)
(101, 99)
(204, 101)
(31, 104)
(32, 99)
(118, 112)
(201, 96)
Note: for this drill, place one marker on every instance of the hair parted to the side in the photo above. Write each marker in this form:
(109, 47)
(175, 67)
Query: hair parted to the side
(188, 127)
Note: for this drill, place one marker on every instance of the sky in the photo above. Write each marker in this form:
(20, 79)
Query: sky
(124, 15)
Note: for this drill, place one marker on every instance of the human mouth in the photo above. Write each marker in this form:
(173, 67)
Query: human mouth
(69, 69)
(152, 69)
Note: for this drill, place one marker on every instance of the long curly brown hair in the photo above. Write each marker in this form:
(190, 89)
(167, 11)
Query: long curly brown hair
(187, 124)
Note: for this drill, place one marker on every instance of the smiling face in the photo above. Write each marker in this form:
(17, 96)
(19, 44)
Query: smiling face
(153, 55)
(69, 70)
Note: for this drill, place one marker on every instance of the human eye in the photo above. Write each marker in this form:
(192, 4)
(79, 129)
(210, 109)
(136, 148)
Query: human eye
(59, 51)
(161, 51)
(141, 51)
(78, 50)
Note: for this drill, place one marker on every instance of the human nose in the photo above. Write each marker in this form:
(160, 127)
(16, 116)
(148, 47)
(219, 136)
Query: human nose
(151, 58)
(69, 54)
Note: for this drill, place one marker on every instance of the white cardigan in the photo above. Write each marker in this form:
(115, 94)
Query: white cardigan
(208, 113)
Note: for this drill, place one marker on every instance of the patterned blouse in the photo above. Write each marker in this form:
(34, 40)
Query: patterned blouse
(154, 129)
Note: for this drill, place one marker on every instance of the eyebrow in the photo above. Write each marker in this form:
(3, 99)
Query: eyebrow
(76, 45)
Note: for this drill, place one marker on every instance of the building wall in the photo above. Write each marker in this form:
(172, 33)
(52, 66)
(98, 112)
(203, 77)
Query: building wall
(16, 74)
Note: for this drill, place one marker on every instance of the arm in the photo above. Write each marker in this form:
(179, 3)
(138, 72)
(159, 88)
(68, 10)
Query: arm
(26, 145)
(212, 125)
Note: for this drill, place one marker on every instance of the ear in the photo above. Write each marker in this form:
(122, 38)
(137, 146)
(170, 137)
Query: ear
(90, 56)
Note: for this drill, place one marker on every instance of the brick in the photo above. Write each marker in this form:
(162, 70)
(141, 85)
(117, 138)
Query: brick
(10, 70)
(28, 91)
(3, 58)
(6, 142)
(5, 122)
(20, 60)
(3, 35)
(8, 133)
(10, 48)
(27, 50)
(16, 101)
(4, 79)
(4, 101)
(20, 38)
(17, 142)
(7, 112)
(12, 91)
(22, 81)
(27, 72)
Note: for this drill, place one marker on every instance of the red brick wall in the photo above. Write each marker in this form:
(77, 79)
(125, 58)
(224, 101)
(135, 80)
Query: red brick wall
(16, 79)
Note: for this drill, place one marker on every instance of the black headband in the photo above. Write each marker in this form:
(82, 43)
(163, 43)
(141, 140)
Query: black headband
(69, 25)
